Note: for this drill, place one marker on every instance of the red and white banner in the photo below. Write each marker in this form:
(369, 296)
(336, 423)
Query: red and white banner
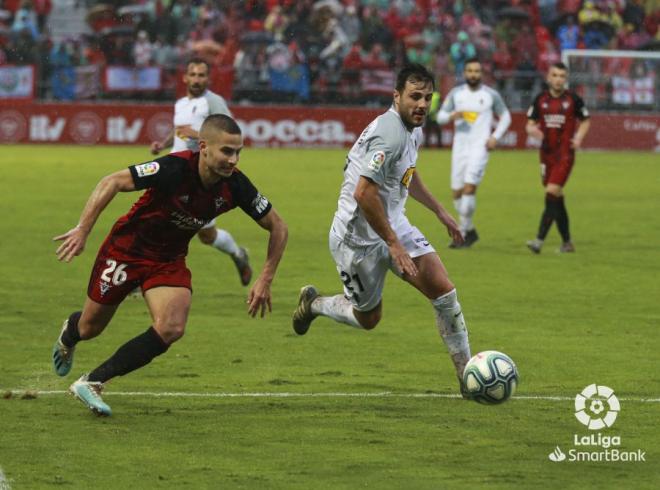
(269, 126)
(16, 82)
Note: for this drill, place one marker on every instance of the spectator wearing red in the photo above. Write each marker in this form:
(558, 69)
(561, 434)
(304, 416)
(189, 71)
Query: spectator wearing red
(651, 22)
(42, 8)
(524, 43)
(353, 60)
(631, 39)
(569, 6)
(502, 57)
(375, 58)
(547, 57)
(351, 68)
(93, 53)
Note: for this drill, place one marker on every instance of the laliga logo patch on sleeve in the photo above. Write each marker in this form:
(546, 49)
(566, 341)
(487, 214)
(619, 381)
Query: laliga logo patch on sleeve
(377, 160)
(146, 169)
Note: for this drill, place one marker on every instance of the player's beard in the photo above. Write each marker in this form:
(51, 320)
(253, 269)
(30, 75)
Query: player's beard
(418, 124)
(473, 82)
(196, 90)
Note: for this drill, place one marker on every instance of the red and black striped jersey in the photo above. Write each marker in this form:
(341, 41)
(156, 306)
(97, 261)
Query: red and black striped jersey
(175, 206)
(557, 118)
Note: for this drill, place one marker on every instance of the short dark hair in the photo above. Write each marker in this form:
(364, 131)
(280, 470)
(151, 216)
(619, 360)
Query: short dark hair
(198, 61)
(560, 66)
(413, 72)
(474, 59)
(219, 123)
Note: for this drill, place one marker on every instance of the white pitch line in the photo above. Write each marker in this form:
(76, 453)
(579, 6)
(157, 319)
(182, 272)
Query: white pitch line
(382, 394)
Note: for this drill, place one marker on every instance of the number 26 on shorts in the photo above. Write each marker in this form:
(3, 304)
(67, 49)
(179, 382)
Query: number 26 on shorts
(118, 272)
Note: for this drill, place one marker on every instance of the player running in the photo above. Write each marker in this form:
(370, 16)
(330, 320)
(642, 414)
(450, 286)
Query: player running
(189, 114)
(471, 106)
(370, 233)
(553, 118)
(147, 247)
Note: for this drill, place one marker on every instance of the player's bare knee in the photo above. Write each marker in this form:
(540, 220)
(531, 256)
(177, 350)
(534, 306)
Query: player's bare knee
(206, 236)
(554, 189)
(368, 320)
(170, 330)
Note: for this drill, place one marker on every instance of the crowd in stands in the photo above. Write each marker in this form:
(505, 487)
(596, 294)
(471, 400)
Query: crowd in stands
(324, 50)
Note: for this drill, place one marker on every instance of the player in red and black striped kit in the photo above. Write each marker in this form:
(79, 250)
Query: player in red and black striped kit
(147, 247)
(560, 119)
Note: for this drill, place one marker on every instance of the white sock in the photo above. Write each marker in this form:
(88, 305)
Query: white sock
(468, 205)
(336, 307)
(225, 242)
(457, 205)
(451, 325)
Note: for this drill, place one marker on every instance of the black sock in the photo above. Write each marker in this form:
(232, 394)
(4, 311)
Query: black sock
(549, 215)
(134, 354)
(562, 221)
(70, 337)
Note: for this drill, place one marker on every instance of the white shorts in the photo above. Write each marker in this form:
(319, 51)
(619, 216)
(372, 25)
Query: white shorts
(468, 166)
(362, 269)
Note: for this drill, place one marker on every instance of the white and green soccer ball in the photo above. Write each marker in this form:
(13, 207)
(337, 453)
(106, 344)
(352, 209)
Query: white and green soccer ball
(491, 377)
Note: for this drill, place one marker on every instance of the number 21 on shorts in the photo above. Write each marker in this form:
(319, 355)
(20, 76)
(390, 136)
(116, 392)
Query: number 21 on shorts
(347, 279)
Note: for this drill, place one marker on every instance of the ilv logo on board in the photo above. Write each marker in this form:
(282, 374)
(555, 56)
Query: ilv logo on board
(596, 408)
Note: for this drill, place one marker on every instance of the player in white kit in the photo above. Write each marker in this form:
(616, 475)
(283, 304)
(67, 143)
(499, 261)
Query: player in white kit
(189, 114)
(370, 233)
(471, 106)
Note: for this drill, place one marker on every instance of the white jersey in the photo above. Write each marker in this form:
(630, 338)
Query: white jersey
(385, 152)
(478, 107)
(191, 111)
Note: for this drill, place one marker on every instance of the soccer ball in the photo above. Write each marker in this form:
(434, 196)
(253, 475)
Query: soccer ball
(490, 377)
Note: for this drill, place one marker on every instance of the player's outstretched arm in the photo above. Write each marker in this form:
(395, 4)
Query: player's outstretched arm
(367, 197)
(73, 241)
(420, 193)
(259, 297)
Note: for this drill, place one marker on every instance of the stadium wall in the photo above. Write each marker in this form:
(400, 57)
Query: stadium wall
(269, 126)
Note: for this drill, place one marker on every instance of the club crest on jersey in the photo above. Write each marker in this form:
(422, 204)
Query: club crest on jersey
(564, 105)
(377, 160)
(146, 169)
(219, 202)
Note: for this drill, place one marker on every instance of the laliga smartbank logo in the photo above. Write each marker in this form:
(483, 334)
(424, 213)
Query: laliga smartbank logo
(595, 397)
(596, 407)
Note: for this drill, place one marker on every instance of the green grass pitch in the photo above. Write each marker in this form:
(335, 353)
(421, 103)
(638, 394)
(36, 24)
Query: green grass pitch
(567, 320)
